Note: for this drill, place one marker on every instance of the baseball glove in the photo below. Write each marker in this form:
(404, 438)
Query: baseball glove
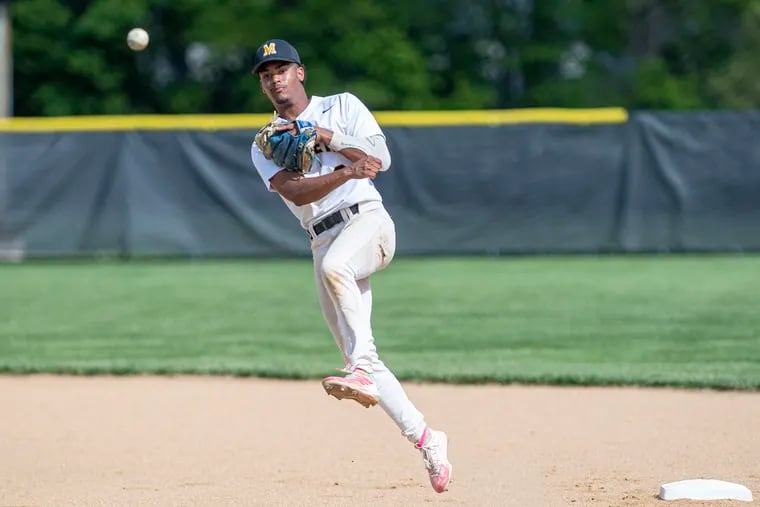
(293, 152)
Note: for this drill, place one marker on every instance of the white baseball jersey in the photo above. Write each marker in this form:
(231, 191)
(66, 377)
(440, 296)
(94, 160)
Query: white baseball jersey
(343, 113)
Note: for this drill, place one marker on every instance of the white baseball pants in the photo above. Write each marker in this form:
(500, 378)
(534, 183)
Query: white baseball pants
(344, 258)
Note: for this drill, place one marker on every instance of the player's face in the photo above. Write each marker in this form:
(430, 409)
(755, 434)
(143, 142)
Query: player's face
(280, 81)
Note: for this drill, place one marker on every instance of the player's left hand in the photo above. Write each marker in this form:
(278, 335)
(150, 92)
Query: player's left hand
(293, 127)
(291, 145)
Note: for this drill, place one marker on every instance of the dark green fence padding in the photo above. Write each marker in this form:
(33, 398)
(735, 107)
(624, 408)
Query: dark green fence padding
(638, 182)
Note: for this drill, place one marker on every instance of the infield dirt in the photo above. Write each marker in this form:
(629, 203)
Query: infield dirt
(216, 441)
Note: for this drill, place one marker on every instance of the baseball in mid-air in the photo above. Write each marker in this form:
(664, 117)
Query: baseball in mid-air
(137, 39)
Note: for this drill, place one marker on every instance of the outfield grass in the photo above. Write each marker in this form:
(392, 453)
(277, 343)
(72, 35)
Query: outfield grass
(670, 320)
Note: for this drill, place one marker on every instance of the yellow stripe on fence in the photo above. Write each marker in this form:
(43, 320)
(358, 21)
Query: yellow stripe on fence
(501, 117)
(254, 121)
(135, 122)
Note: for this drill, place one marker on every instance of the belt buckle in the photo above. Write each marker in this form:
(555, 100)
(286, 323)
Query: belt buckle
(342, 215)
(348, 212)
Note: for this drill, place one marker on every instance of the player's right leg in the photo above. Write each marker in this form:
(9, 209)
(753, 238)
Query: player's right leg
(363, 246)
(358, 384)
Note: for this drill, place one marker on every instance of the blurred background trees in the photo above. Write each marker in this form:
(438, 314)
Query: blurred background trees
(70, 56)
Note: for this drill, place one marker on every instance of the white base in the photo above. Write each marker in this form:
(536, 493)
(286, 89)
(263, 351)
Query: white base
(705, 489)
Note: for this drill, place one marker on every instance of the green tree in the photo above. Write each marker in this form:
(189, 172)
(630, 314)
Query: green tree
(737, 83)
(66, 61)
(71, 58)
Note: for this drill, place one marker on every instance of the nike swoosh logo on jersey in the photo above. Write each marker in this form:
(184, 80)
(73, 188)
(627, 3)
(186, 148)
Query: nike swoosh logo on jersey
(325, 110)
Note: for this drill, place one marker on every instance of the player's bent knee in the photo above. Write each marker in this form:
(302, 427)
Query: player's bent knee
(335, 275)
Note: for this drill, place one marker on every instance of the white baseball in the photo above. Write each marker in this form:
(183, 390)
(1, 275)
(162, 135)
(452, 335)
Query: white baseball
(137, 39)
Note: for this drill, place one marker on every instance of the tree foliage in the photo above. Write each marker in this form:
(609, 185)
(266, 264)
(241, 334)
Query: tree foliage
(70, 56)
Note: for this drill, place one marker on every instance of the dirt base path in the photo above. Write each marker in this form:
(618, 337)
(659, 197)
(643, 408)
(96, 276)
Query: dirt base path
(195, 441)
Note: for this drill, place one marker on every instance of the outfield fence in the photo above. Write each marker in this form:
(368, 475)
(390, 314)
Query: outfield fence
(466, 182)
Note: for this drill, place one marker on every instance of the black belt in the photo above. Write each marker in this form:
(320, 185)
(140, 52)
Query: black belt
(331, 221)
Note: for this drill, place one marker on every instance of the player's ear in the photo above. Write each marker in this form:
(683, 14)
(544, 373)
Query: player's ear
(301, 73)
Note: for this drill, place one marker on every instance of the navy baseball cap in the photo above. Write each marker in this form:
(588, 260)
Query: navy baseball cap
(275, 50)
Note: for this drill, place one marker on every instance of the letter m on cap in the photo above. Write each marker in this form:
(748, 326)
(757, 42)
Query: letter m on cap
(270, 49)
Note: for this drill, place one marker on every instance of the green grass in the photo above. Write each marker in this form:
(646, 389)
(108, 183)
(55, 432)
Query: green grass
(648, 320)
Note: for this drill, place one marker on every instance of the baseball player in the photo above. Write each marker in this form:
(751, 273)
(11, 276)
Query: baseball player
(321, 155)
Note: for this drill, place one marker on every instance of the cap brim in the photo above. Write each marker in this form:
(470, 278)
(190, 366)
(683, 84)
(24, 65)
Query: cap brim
(255, 69)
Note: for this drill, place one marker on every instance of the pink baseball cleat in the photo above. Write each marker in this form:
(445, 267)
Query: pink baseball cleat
(434, 448)
(357, 385)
